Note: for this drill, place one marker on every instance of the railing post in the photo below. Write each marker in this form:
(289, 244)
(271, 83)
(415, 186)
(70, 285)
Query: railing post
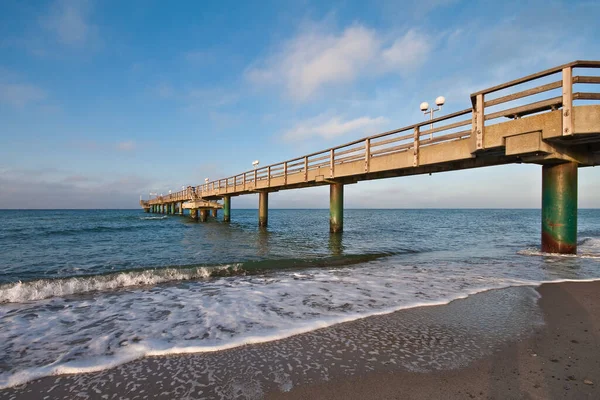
(244, 180)
(285, 173)
(269, 176)
(479, 121)
(567, 100)
(331, 162)
(255, 177)
(305, 169)
(416, 140)
(367, 155)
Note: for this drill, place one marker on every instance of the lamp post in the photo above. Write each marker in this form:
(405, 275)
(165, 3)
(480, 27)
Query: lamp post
(439, 101)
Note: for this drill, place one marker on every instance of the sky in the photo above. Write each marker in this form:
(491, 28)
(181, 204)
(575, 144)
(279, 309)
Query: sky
(104, 101)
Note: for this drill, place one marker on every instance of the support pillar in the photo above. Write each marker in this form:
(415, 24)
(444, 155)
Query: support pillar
(181, 208)
(226, 208)
(214, 212)
(263, 208)
(203, 214)
(336, 207)
(559, 208)
(194, 213)
(146, 209)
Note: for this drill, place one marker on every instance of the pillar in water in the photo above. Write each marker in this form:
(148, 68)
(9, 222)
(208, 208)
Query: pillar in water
(263, 208)
(226, 208)
(559, 208)
(336, 207)
(203, 214)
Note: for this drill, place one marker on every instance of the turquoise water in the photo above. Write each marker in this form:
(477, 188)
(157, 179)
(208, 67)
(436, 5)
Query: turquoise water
(85, 290)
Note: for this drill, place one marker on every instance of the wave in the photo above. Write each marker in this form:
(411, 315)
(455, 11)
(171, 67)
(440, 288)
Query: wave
(40, 289)
(148, 218)
(587, 247)
(155, 348)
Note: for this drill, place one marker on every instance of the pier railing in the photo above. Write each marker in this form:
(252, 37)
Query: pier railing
(515, 99)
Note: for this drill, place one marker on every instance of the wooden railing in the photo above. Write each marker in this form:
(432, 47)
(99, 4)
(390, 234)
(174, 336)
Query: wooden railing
(463, 124)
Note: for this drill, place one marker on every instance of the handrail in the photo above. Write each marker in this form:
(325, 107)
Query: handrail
(412, 136)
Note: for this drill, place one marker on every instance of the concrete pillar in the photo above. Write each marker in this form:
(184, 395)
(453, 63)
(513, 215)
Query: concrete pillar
(559, 208)
(336, 207)
(214, 212)
(181, 208)
(147, 209)
(194, 213)
(263, 208)
(203, 214)
(226, 208)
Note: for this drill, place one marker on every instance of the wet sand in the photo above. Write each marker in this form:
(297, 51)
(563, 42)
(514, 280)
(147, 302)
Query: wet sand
(501, 344)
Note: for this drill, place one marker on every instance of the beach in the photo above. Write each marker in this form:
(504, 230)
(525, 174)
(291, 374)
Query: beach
(518, 342)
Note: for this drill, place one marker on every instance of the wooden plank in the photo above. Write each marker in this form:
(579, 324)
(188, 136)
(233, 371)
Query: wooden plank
(388, 141)
(351, 150)
(405, 146)
(524, 93)
(446, 127)
(527, 109)
(416, 137)
(331, 162)
(586, 96)
(305, 169)
(367, 154)
(479, 121)
(445, 138)
(586, 79)
(567, 101)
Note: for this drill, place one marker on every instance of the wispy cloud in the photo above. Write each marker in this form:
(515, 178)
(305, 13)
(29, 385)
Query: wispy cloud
(20, 94)
(329, 127)
(69, 21)
(126, 146)
(316, 58)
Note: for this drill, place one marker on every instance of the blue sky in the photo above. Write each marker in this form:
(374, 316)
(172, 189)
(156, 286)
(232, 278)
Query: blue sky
(102, 101)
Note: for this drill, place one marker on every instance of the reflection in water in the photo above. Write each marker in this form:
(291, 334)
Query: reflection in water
(263, 247)
(335, 243)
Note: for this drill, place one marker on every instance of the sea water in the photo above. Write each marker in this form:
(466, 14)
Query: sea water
(87, 290)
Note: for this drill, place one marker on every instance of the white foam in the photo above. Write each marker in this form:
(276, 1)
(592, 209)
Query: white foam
(46, 288)
(92, 333)
(581, 254)
(149, 218)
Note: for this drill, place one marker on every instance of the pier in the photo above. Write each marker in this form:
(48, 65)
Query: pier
(550, 118)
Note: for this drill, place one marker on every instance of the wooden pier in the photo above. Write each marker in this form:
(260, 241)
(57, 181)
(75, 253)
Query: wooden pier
(555, 124)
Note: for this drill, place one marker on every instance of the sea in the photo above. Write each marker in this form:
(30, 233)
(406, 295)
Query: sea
(87, 290)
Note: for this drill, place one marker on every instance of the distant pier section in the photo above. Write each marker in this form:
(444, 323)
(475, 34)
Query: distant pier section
(550, 118)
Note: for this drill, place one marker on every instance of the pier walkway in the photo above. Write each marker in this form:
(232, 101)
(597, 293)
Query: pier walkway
(539, 119)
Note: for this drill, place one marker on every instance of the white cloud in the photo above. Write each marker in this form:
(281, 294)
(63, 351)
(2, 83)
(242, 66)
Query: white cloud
(315, 58)
(126, 146)
(20, 94)
(332, 127)
(68, 20)
(407, 52)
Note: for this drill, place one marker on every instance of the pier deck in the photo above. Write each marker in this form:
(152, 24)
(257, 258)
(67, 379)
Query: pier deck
(516, 122)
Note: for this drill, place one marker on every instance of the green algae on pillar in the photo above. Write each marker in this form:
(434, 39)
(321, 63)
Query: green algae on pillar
(226, 208)
(263, 209)
(204, 214)
(559, 208)
(336, 207)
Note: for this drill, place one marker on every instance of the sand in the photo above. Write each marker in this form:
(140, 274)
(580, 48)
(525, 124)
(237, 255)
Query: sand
(501, 344)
